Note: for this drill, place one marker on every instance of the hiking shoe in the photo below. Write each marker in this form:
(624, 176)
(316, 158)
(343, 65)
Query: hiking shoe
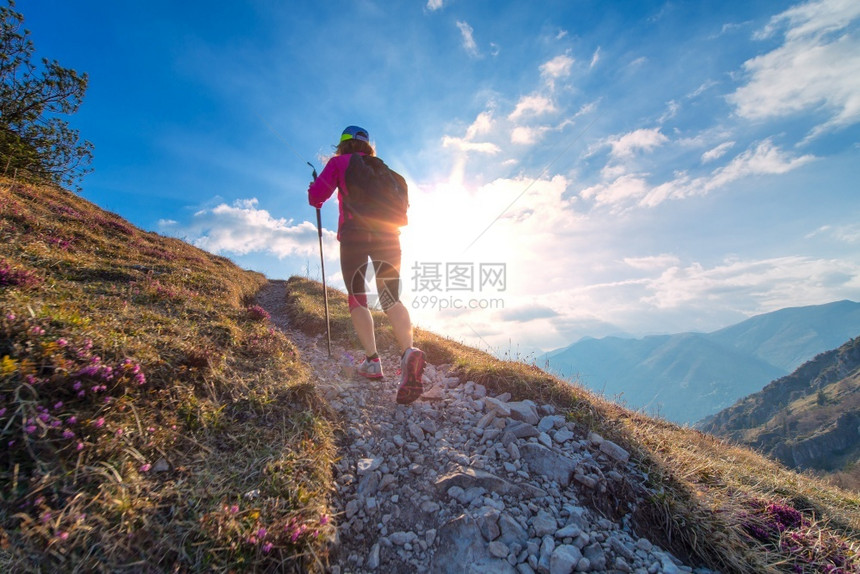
(411, 371)
(372, 369)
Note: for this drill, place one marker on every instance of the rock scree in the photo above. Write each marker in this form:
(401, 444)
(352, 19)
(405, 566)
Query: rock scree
(463, 482)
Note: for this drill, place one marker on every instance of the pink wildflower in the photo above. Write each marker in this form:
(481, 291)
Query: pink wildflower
(80, 447)
(100, 422)
(261, 533)
(118, 432)
(145, 467)
(77, 386)
(67, 434)
(63, 536)
(72, 420)
(267, 547)
(58, 405)
(62, 342)
(234, 509)
(30, 429)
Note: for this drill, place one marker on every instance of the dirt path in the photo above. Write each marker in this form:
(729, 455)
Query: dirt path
(463, 482)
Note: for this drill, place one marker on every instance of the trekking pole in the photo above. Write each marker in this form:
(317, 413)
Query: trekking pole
(322, 268)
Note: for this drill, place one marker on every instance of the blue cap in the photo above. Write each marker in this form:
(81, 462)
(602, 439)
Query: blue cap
(355, 133)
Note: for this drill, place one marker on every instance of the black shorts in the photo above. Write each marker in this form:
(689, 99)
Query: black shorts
(358, 250)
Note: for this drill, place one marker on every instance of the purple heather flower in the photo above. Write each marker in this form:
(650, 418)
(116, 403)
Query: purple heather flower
(44, 417)
(145, 467)
(80, 446)
(58, 406)
(63, 536)
(234, 509)
(10, 316)
(62, 342)
(267, 547)
(99, 423)
(82, 394)
(2, 411)
(30, 429)
(72, 420)
(77, 386)
(261, 533)
(67, 434)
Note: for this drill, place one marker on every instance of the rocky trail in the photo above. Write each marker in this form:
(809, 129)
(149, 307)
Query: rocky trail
(460, 481)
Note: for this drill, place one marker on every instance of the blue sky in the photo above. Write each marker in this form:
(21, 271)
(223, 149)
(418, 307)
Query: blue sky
(632, 167)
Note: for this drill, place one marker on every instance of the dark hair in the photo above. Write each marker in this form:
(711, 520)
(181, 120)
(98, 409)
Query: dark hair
(354, 146)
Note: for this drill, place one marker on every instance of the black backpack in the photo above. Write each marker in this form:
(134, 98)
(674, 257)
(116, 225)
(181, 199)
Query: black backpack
(377, 197)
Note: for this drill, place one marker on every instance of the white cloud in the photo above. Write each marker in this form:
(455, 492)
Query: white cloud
(618, 193)
(465, 145)
(672, 108)
(842, 233)
(640, 140)
(717, 152)
(764, 159)
(434, 5)
(467, 34)
(817, 67)
(558, 67)
(763, 285)
(243, 228)
(534, 104)
(653, 262)
(595, 58)
(482, 125)
(527, 135)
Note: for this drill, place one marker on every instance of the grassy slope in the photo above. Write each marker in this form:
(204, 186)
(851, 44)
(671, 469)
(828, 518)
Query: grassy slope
(148, 415)
(89, 304)
(710, 502)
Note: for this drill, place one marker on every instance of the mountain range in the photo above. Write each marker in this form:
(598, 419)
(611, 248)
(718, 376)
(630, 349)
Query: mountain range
(808, 419)
(686, 377)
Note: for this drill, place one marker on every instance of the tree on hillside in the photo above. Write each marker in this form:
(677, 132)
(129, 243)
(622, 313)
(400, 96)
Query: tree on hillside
(32, 137)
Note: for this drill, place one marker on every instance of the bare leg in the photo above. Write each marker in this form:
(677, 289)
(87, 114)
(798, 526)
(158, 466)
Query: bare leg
(362, 321)
(398, 314)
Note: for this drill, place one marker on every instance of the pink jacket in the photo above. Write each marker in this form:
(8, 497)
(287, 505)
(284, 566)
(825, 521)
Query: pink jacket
(333, 176)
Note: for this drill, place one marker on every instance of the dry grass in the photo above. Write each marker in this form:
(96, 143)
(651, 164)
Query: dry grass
(711, 503)
(150, 419)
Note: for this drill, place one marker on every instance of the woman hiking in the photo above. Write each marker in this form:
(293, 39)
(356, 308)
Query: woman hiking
(372, 202)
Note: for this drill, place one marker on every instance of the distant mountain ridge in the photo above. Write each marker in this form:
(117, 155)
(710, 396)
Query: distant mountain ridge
(808, 419)
(688, 376)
